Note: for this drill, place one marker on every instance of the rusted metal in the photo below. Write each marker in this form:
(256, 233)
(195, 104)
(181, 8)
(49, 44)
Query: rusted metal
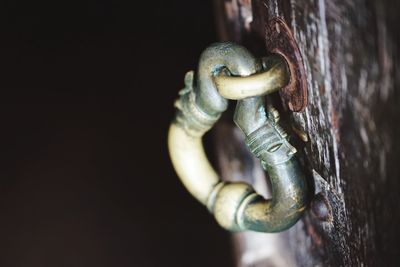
(279, 40)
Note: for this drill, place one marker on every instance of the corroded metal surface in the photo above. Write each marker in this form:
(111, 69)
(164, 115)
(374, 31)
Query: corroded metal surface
(281, 41)
(268, 142)
(236, 206)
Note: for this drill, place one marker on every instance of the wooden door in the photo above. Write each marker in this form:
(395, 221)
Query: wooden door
(348, 134)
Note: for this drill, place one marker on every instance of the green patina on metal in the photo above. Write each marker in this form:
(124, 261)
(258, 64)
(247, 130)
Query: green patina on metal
(268, 142)
(223, 69)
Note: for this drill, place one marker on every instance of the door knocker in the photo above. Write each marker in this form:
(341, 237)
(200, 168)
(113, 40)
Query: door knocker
(228, 71)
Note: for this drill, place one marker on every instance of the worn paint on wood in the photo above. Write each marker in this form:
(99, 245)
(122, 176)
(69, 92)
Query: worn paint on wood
(350, 53)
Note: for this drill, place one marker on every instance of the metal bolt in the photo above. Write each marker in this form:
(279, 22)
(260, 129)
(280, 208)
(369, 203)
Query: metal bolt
(321, 208)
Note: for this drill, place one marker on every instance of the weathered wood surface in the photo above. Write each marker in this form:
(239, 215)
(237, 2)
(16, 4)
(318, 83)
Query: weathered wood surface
(351, 53)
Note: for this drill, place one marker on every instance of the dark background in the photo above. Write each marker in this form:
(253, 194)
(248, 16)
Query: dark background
(87, 89)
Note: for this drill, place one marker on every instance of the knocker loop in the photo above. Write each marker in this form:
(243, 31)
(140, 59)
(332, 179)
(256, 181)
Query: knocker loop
(229, 71)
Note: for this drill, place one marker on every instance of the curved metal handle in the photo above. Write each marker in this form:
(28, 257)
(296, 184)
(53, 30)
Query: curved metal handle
(235, 205)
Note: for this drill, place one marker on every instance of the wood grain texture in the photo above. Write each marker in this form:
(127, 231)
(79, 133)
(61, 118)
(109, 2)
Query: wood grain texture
(350, 53)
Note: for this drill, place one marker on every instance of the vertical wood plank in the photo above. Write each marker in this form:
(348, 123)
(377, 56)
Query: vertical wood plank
(350, 52)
